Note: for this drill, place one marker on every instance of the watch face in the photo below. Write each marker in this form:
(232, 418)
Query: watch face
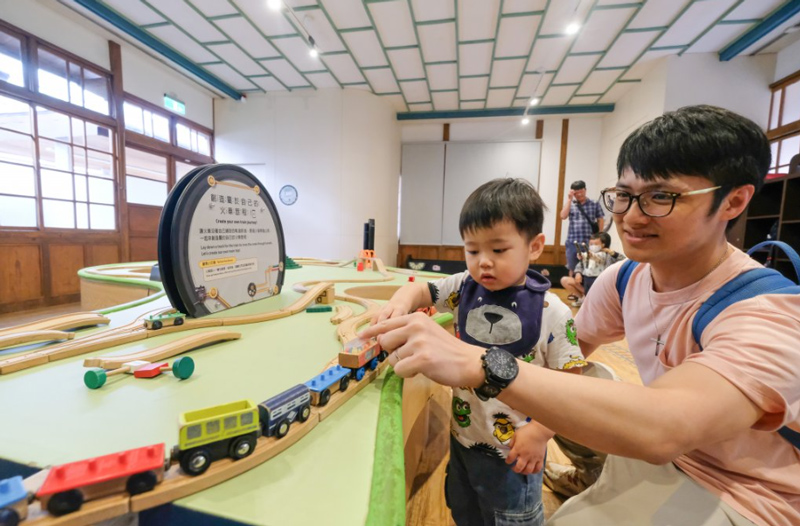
(502, 365)
(288, 195)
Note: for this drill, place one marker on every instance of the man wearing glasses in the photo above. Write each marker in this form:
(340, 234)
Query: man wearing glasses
(585, 218)
(698, 443)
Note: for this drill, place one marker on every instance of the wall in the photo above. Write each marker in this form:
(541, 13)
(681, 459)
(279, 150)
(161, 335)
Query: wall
(788, 61)
(339, 148)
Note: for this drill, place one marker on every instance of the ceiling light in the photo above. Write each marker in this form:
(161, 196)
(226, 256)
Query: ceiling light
(534, 101)
(275, 5)
(313, 51)
(525, 121)
(573, 28)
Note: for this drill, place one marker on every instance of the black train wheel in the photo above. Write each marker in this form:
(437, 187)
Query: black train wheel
(283, 428)
(141, 482)
(179, 321)
(195, 461)
(157, 325)
(304, 413)
(65, 502)
(9, 517)
(343, 383)
(242, 447)
(324, 397)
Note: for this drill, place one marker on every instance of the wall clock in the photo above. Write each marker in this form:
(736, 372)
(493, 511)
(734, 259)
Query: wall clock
(288, 195)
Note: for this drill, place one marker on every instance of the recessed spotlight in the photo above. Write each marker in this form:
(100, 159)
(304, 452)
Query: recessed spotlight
(573, 28)
(525, 121)
(275, 5)
(534, 101)
(313, 52)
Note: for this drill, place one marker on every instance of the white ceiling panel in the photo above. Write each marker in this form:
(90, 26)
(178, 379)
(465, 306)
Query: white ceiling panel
(523, 6)
(425, 10)
(268, 83)
(213, 7)
(475, 59)
(645, 64)
(136, 11)
(365, 47)
(183, 14)
(443, 76)
(599, 82)
(471, 89)
(516, 36)
(344, 68)
(438, 41)
(393, 20)
(627, 47)
(285, 72)
(475, 105)
(415, 91)
(576, 68)
(657, 13)
(548, 53)
(360, 87)
(301, 3)
(247, 36)
(558, 95)
(500, 98)
(617, 92)
(397, 102)
(297, 51)
(561, 13)
(719, 37)
(506, 73)
(406, 63)
(347, 14)
(776, 34)
(322, 80)
(750, 9)
(178, 40)
(420, 106)
(477, 19)
(324, 33)
(229, 75)
(382, 80)
(584, 99)
(601, 29)
(445, 100)
(614, 2)
(269, 22)
(237, 58)
(520, 103)
(785, 40)
(699, 16)
(534, 85)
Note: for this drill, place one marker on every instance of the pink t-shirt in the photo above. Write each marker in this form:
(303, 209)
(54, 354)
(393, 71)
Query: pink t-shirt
(754, 344)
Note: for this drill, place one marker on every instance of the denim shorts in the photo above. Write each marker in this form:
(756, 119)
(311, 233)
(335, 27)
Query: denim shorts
(572, 255)
(482, 490)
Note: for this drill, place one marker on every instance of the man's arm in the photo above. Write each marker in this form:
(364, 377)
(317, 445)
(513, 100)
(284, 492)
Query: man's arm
(567, 204)
(600, 222)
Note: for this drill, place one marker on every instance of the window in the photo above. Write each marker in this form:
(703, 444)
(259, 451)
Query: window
(785, 107)
(193, 139)
(182, 169)
(146, 177)
(146, 122)
(11, 69)
(782, 152)
(76, 164)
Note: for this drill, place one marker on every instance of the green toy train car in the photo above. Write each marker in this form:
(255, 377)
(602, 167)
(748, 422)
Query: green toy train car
(157, 321)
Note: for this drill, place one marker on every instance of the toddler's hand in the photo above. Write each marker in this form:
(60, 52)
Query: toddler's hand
(528, 448)
(388, 311)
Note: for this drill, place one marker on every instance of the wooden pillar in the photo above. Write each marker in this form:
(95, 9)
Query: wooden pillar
(118, 97)
(562, 171)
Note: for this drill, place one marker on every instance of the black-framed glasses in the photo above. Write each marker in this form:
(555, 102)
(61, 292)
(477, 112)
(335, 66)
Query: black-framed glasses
(655, 203)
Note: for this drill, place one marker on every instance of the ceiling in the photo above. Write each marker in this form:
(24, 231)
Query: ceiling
(443, 56)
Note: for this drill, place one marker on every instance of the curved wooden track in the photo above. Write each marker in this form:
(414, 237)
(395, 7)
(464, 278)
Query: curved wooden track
(27, 338)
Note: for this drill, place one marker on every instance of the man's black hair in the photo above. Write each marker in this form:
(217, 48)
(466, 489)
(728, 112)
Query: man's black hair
(604, 238)
(577, 185)
(727, 149)
(510, 199)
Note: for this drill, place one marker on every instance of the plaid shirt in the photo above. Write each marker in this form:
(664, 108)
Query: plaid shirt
(579, 228)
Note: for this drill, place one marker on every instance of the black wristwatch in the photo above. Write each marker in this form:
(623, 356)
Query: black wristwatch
(500, 368)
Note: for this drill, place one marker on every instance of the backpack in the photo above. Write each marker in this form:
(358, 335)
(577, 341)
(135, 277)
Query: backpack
(746, 285)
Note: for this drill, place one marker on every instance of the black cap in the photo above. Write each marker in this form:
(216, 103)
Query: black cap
(577, 185)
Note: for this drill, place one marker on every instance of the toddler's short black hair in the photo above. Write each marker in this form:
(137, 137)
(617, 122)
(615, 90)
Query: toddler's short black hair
(510, 199)
(706, 141)
(604, 238)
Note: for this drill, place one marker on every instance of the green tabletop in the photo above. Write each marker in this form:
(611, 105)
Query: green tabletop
(50, 417)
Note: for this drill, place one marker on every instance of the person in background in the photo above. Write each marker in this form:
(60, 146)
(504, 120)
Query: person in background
(585, 218)
(590, 264)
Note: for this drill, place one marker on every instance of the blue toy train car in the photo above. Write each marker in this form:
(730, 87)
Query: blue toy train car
(337, 378)
(278, 413)
(13, 501)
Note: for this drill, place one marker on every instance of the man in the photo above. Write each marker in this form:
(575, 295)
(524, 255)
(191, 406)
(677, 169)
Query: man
(585, 218)
(698, 443)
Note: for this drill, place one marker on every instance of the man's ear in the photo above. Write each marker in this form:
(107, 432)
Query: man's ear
(736, 202)
(536, 247)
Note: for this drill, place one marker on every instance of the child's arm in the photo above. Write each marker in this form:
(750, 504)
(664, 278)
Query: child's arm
(528, 448)
(408, 298)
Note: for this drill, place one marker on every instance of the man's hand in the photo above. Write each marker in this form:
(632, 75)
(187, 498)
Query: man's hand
(420, 345)
(570, 194)
(579, 278)
(528, 448)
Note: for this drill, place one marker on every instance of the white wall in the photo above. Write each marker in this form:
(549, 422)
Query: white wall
(583, 160)
(339, 148)
(142, 75)
(788, 61)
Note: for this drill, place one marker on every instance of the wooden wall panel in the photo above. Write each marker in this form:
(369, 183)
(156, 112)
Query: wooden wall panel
(101, 255)
(65, 262)
(144, 248)
(20, 273)
(144, 220)
(550, 256)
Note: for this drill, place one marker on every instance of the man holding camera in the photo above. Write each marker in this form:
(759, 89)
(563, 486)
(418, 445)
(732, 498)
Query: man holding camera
(585, 218)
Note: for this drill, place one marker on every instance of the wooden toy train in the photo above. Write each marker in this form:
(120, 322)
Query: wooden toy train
(225, 431)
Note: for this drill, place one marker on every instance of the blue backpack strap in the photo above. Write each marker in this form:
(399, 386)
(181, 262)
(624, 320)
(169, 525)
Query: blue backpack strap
(623, 276)
(791, 435)
(788, 250)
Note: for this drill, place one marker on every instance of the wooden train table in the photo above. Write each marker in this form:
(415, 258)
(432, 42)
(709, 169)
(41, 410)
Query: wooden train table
(347, 470)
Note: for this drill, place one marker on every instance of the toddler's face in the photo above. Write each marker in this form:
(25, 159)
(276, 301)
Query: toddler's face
(595, 245)
(498, 257)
